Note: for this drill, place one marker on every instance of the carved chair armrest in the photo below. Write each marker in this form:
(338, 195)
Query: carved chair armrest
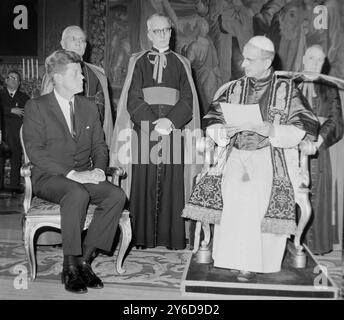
(25, 172)
(306, 148)
(116, 174)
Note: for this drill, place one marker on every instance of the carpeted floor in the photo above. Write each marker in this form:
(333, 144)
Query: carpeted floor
(334, 266)
(155, 267)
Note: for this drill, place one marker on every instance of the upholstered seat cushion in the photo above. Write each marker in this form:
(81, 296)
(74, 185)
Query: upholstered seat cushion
(43, 207)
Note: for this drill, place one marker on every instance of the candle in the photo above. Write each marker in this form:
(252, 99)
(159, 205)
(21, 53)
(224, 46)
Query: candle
(32, 73)
(23, 69)
(37, 68)
(28, 69)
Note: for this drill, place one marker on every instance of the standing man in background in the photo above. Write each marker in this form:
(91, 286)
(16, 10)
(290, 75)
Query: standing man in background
(12, 102)
(95, 81)
(323, 97)
(158, 100)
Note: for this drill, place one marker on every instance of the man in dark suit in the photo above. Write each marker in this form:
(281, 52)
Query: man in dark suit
(95, 80)
(65, 143)
(12, 102)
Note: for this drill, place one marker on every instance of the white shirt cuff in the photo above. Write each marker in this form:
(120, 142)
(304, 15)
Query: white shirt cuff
(69, 174)
(218, 134)
(286, 136)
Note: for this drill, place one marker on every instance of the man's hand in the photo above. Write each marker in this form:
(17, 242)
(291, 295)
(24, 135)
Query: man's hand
(163, 126)
(98, 174)
(308, 147)
(83, 177)
(230, 131)
(18, 111)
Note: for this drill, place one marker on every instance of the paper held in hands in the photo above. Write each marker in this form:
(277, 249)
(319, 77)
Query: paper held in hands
(239, 114)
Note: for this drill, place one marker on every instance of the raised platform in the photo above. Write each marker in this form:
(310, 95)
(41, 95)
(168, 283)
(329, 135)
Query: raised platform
(311, 282)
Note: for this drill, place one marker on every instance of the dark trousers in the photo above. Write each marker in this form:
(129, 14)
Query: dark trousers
(2, 172)
(74, 199)
(13, 140)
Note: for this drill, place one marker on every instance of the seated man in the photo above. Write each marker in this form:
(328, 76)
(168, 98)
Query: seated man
(95, 82)
(65, 143)
(258, 196)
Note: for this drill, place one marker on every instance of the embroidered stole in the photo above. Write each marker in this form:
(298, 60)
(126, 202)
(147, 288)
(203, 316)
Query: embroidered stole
(280, 215)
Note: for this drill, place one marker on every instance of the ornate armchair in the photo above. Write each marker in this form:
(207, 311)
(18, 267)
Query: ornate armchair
(299, 172)
(39, 213)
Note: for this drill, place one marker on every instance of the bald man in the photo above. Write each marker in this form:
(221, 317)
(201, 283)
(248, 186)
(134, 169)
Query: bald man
(324, 99)
(258, 198)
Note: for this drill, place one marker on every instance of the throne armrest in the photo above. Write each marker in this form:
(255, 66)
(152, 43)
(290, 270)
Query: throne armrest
(306, 148)
(25, 172)
(116, 174)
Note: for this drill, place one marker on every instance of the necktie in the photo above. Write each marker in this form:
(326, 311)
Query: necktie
(72, 119)
(11, 94)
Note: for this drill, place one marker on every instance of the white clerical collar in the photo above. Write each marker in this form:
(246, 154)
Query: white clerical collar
(12, 93)
(162, 50)
(62, 99)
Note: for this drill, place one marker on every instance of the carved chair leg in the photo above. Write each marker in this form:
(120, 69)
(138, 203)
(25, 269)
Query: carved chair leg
(302, 199)
(206, 230)
(125, 239)
(29, 235)
(197, 236)
(204, 254)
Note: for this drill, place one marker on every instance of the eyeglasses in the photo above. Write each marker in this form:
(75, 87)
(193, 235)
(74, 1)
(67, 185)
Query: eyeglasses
(76, 39)
(12, 78)
(160, 32)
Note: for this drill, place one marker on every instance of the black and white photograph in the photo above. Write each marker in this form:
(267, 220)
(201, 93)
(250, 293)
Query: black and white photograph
(171, 154)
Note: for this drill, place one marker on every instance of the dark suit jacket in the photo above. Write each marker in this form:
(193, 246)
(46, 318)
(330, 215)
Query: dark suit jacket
(49, 144)
(10, 120)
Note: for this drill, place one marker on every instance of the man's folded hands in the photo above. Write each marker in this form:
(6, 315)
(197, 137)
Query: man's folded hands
(163, 126)
(89, 176)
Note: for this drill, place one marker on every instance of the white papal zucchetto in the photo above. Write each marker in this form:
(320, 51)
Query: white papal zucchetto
(263, 43)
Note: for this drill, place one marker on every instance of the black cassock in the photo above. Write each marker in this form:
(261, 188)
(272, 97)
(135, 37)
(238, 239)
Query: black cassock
(326, 104)
(157, 189)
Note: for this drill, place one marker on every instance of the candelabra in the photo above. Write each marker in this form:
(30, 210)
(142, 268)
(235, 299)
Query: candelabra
(31, 82)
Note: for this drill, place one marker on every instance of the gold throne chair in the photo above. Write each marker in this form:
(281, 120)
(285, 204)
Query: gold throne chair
(298, 168)
(39, 213)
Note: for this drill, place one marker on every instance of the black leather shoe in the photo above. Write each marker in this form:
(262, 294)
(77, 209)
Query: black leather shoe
(72, 279)
(89, 277)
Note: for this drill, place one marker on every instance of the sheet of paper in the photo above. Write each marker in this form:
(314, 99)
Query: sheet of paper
(238, 114)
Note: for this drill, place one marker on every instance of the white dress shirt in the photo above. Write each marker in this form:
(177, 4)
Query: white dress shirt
(11, 93)
(64, 105)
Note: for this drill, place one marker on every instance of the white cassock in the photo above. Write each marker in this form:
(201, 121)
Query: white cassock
(238, 240)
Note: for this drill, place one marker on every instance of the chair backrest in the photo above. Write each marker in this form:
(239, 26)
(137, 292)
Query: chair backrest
(26, 158)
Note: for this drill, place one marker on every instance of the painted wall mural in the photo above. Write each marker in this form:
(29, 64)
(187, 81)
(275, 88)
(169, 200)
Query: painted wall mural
(212, 33)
